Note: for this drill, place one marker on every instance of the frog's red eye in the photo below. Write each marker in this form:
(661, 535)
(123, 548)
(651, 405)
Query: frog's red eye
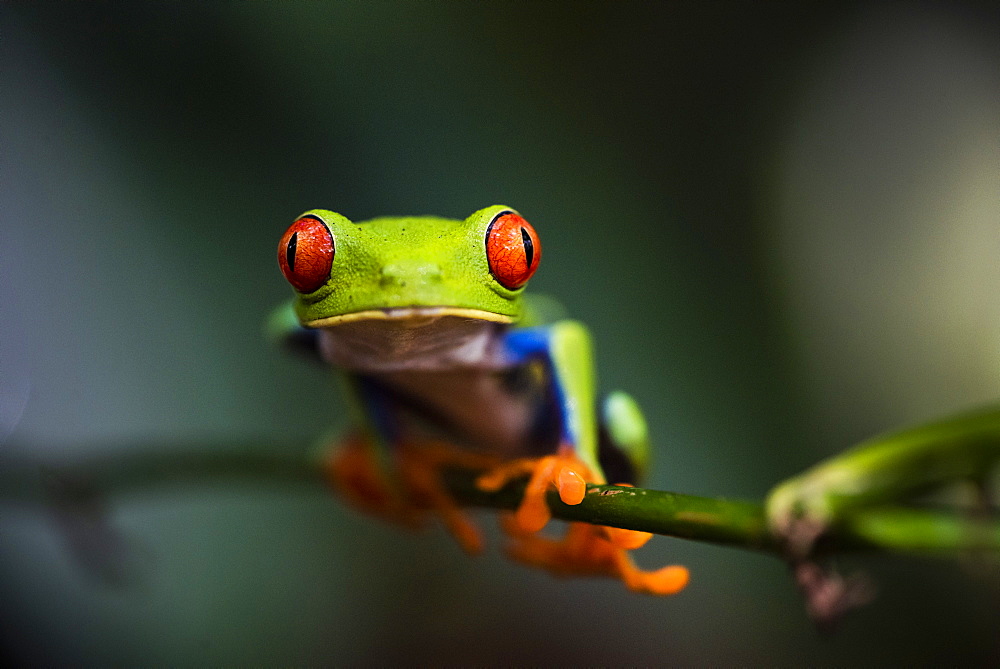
(305, 254)
(512, 250)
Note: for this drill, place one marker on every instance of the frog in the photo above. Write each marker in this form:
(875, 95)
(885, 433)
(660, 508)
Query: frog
(447, 361)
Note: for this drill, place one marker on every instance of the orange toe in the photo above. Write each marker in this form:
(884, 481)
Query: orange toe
(669, 580)
(534, 514)
(664, 581)
(627, 539)
(563, 472)
(570, 484)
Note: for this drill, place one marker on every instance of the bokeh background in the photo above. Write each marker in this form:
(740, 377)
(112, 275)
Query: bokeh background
(780, 220)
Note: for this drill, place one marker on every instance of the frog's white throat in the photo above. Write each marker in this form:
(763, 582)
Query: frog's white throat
(415, 338)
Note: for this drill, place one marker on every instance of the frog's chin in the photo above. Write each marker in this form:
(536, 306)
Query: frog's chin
(413, 339)
(409, 316)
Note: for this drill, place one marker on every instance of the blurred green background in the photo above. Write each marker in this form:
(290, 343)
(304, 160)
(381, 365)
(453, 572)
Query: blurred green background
(780, 220)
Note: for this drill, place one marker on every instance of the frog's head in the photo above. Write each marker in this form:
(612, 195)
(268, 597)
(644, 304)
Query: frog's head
(409, 268)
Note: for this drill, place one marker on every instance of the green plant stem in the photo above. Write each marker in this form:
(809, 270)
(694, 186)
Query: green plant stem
(743, 524)
(720, 521)
(714, 520)
(904, 463)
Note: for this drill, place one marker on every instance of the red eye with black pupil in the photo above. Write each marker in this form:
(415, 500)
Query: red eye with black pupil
(305, 254)
(512, 250)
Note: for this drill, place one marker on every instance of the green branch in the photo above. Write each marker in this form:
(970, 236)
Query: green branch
(736, 523)
(850, 502)
(743, 524)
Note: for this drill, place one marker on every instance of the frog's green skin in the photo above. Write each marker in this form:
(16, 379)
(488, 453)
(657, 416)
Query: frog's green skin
(431, 344)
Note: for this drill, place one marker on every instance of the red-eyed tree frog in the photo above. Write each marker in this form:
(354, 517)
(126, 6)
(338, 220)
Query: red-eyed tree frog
(448, 361)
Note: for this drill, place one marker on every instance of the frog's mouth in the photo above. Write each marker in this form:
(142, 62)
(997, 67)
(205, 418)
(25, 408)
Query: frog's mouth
(409, 316)
(412, 338)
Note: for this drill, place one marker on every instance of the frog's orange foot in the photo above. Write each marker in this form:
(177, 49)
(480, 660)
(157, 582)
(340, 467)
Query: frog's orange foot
(565, 472)
(420, 467)
(586, 550)
(353, 470)
(356, 473)
(627, 540)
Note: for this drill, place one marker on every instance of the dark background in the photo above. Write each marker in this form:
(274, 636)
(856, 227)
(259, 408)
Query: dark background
(780, 220)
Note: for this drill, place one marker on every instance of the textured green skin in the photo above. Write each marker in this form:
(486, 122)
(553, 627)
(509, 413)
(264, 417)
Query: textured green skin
(386, 263)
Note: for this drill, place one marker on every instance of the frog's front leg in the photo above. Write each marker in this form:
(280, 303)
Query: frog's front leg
(564, 348)
(585, 549)
(361, 467)
(381, 471)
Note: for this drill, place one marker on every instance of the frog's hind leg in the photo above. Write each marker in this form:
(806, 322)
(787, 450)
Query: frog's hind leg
(623, 444)
(623, 451)
(587, 550)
